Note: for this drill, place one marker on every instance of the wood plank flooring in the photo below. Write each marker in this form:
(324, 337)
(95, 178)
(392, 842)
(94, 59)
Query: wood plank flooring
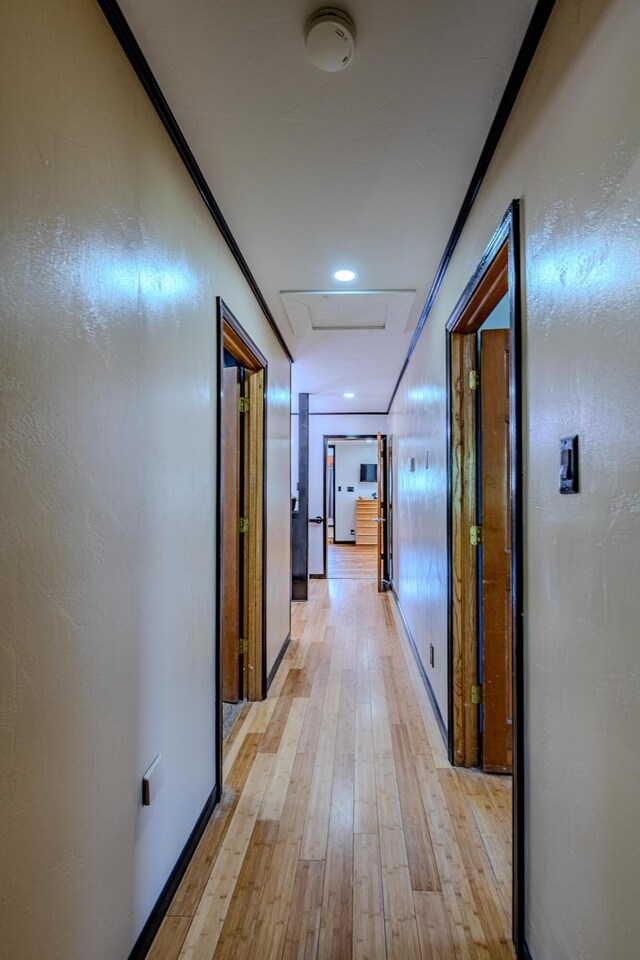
(343, 831)
(346, 561)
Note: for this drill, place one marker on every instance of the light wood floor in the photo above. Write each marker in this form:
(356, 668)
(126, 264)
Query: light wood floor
(343, 832)
(351, 562)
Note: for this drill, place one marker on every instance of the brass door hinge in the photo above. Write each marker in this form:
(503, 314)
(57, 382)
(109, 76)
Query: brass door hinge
(476, 693)
(475, 536)
(243, 525)
(474, 379)
(243, 645)
(243, 404)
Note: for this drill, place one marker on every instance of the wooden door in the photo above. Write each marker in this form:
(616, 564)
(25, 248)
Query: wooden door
(230, 535)
(380, 518)
(497, 740)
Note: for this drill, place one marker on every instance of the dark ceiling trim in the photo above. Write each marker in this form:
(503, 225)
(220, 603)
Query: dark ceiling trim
(526, 53)
(129, 44)
(346, 413)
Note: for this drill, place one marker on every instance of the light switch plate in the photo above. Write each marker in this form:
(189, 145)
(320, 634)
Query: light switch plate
(568, 472)
(151, 781)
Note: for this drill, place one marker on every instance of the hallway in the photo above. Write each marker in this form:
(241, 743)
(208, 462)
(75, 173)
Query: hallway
(343, 831)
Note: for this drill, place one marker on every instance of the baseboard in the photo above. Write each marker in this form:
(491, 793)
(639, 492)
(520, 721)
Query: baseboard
(423, 672)
(274, 668)
(317, 576)
(147, 936)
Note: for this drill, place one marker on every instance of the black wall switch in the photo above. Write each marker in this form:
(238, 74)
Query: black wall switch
(568, 475)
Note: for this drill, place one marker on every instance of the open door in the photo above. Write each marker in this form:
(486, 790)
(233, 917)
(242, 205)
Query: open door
(496, 638)
(241, 610)
(486, 555)
(231, 453)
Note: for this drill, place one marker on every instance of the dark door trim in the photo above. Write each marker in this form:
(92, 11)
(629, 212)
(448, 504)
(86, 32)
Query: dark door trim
(327, 439)
(252, 359)
(300, 517)
(507, 233)
(390, 491)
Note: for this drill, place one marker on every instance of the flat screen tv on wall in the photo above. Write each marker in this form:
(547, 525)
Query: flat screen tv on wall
(368, 473)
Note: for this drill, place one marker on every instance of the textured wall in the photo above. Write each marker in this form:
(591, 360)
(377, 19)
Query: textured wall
(571, 152)
(109, 270)
(417, 424)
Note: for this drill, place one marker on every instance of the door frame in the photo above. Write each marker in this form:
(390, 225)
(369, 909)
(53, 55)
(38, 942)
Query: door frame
(390, 492)
(497, 273)
(327, 439)
(231, 336)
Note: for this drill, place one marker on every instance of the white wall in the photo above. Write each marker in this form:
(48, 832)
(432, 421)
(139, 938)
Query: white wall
(110, 269)
(571, 153)
(349, 455)
(322, 425)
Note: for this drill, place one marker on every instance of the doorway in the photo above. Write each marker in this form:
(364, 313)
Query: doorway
(485, 528)
(241, 557)
(355, 508)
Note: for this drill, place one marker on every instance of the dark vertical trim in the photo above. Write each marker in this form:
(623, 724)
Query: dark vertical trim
(389, 498)
(517, 578)
(385, 511)
(325, 511)
(136, 58)
(291, 491)
(219, 584)
(265, 490)
(300, 518)
(522, 63)
(450, 712)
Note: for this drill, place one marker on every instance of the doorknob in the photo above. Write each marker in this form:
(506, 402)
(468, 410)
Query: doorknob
(316, 519)
(378, 519)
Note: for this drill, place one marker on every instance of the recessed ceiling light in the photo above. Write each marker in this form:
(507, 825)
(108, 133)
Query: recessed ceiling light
(344, 275)
(349, 395)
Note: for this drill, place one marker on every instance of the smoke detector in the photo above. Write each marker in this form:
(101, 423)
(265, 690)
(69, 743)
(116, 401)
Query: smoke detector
(330, 38)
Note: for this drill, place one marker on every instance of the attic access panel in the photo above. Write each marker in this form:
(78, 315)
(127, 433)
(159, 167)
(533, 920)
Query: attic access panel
(321, 311)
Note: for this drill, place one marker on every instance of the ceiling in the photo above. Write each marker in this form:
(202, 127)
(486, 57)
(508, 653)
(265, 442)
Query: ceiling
(313, 171)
